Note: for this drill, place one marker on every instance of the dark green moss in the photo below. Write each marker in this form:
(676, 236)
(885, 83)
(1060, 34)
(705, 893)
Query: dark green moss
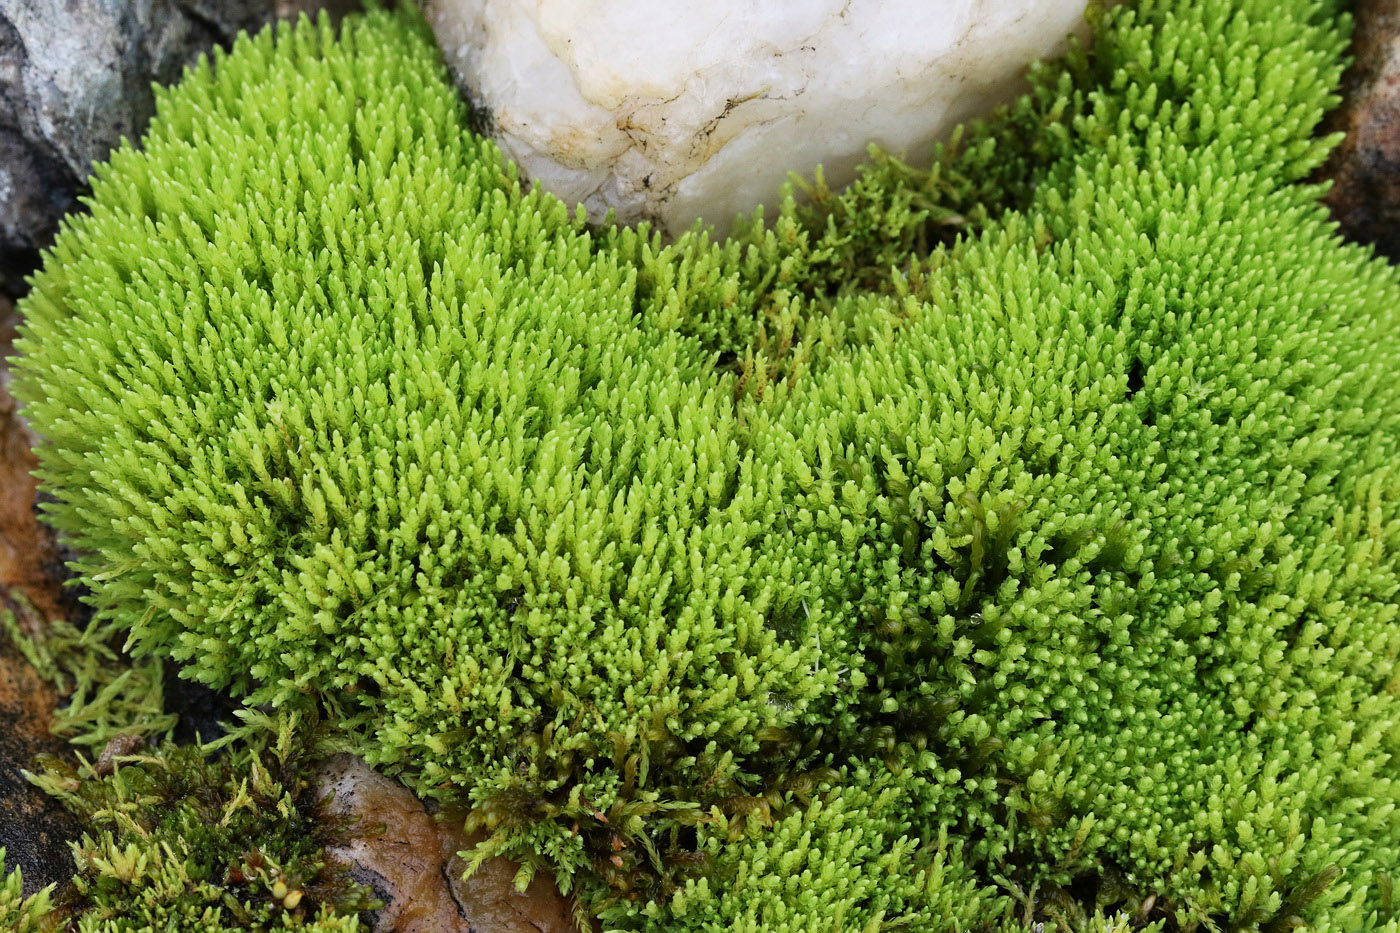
(184, 838)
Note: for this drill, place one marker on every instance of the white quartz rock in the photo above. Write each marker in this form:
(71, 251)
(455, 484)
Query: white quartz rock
(677, 109)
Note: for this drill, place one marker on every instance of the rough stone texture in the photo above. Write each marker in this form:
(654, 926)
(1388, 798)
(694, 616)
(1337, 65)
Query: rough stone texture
(1365, 198)
(409, 858)
(75, 77)
(700, 108)
(290, 9)
(34, 829)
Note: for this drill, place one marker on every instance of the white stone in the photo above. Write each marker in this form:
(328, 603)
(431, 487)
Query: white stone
(678, 109)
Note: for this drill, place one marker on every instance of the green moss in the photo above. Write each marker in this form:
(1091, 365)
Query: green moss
(186, 839)
(105, 693)
(1012, 540)
(20, 913)
(796, 875)
(190, 838)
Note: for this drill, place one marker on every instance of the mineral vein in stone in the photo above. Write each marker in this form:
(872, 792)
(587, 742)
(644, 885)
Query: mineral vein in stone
(699, 108)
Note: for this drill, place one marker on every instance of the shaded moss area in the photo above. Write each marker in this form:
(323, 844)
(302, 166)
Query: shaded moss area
(182, 839)
(208, 838)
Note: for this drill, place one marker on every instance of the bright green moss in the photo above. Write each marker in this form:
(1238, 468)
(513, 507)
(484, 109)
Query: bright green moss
(105, 694)
(844, 860)
(1051, 567)
(362, 512)
(18, 913)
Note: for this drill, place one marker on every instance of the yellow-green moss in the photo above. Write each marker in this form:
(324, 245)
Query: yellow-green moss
(1065, 546)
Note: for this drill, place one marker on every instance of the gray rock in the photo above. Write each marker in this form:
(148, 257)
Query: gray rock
(75, 77)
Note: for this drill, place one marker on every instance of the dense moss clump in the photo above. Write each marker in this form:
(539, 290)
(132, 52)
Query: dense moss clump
(1015, 540)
